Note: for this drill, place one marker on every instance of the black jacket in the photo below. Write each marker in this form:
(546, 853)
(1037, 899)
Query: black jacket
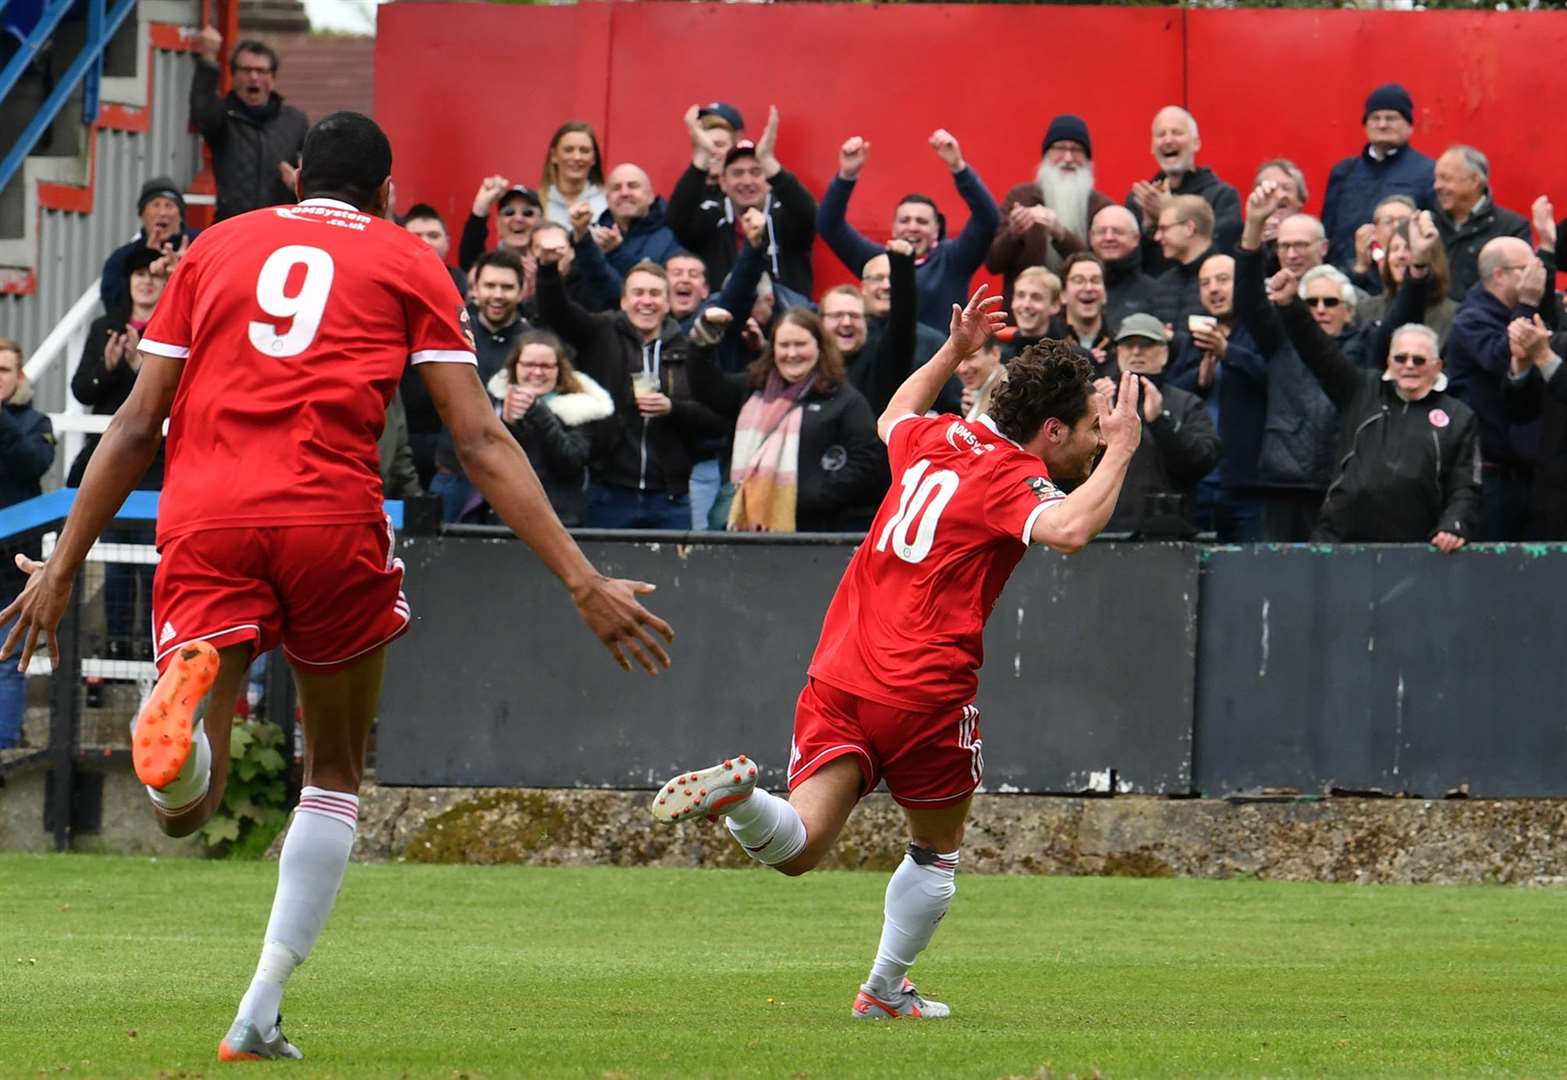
(1298, 436)
(559, 435)
(1178, 449)
(1128, 290)
(1463, 242)
(1182, 294)
(1224, 199)
(843, 465)
(649, 455)
(1406, 469)
(104, 391)
(705, 222)
(246, 144)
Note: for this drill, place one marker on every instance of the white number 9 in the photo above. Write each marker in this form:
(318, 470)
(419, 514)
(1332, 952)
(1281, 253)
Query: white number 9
(305, 308)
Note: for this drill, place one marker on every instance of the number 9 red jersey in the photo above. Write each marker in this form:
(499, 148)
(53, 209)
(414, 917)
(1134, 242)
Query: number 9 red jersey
(906, 626)
(295, 324)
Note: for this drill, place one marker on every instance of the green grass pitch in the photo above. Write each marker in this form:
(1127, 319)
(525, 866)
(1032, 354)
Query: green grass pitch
(132, 967)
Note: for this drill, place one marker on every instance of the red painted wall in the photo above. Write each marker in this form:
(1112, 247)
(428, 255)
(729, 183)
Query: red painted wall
(469, 89)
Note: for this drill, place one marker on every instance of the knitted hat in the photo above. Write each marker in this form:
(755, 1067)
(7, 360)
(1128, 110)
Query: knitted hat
(1390, 96)
(140, 259)
(160, 187)
(1067, 127)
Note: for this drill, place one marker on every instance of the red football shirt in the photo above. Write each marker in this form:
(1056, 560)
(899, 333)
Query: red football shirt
(295, 324)
(906, 626)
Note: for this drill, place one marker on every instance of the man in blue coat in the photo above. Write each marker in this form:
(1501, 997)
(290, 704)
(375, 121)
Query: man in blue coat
(942, 266)
(1387, 165)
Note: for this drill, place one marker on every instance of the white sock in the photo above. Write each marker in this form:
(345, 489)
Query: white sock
(767, 827)
(191, 783)
(309, 874)
(917, 898)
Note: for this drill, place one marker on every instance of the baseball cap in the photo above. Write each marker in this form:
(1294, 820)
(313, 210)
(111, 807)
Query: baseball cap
(523, 192)
(725, 112)
(1141, 326)
(743, 148)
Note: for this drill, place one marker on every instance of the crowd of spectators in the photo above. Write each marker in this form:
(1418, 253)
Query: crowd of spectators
(1390, 371)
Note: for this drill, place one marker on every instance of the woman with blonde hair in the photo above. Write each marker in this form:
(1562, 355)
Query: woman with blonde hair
(804, 456)
(573, 173)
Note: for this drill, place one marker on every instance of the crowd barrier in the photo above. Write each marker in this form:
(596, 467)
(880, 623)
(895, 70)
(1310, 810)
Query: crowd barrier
(1166, 669)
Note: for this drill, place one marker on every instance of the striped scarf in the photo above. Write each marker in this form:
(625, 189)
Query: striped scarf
(765, 465)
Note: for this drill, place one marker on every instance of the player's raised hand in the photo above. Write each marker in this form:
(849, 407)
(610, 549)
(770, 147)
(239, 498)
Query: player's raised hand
(1121, 427)
(975, 324)
(37, 612)
(610, 608)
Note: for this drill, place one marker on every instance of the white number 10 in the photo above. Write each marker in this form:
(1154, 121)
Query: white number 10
(924, 498)
(305, 307)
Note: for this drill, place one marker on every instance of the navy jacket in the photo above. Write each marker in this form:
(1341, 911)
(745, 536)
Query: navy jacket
(26, 451)
(703, 219)
(1477, 359)
(944, 273)
(1237, 402)
(649, 237)
(1358, 183)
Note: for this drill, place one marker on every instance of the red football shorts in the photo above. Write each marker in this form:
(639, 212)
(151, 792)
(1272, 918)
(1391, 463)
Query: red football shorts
(929, 759)
(329, 593)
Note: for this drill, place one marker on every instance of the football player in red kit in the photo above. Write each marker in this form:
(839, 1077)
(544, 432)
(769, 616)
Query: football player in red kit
(273, 354)
(890, 693)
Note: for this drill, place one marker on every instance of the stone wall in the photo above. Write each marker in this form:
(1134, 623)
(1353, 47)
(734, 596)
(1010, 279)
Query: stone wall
(1345, 840)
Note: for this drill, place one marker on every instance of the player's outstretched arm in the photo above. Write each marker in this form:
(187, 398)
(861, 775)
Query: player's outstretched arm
(1081, 516)
(117, 466)
(972, 326)
(495, 463)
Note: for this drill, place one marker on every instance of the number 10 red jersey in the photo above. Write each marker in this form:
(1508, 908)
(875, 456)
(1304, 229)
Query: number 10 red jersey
(906, 626)
(295, 324)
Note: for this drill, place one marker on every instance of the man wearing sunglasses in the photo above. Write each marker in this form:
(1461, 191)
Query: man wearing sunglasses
(520, 213)
(1332, 299)
(1408, 450)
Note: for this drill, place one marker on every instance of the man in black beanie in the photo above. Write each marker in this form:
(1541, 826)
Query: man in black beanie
(161, 207)
(1046, 219)
(1387, 165)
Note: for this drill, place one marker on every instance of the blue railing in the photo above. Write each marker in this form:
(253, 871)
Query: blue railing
(34, 22)
(32, 514)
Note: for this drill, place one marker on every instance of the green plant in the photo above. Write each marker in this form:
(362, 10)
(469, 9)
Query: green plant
(253, 808)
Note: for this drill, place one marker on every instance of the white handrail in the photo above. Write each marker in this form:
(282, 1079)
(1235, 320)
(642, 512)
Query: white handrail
(68, 335)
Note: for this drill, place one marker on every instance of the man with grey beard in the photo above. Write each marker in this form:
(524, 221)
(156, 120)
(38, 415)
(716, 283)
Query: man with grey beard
(1175, 146)
(1045, 220)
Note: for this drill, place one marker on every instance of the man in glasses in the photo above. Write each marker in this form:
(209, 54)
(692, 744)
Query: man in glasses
(1295, 462)
(1386, 165)
(1331, 299)
(520, 213)
(255, 138)
(1512, 285)
(1467, 215)
(1408, 463)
